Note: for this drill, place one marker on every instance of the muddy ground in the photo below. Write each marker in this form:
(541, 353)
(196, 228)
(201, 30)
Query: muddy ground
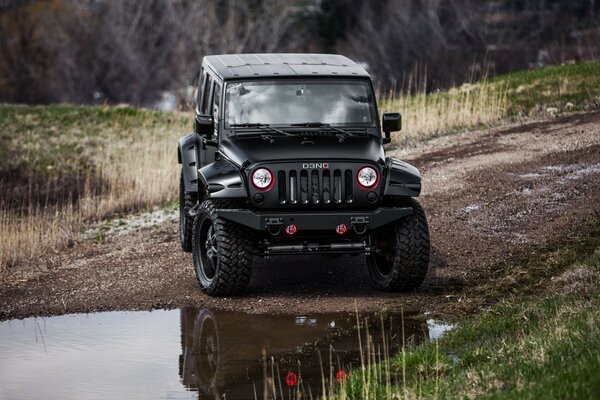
(490, 195)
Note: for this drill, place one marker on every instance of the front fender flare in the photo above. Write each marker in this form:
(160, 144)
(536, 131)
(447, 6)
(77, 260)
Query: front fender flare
(222, 180)
(187, 155)
(402, 179)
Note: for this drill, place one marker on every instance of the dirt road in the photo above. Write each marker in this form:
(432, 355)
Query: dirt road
(489, 195)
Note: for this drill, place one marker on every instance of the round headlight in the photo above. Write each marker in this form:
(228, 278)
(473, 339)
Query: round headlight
(262, 179)
(367, 177)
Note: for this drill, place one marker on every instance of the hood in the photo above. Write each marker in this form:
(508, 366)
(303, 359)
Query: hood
(295, 148)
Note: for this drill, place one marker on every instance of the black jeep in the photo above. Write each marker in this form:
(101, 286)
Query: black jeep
(287, 158)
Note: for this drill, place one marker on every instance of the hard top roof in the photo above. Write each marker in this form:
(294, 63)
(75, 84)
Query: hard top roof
(233, 66)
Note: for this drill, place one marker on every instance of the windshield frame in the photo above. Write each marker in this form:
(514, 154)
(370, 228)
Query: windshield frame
(374, 124)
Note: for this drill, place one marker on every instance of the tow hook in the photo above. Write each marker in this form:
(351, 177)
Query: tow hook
(359, 224)
(274, 225)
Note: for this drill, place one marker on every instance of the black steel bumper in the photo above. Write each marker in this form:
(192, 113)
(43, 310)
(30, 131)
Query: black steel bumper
(275, 222)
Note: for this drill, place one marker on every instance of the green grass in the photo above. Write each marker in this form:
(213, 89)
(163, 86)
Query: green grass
(533, 343)
(553, 86)
(67, 141)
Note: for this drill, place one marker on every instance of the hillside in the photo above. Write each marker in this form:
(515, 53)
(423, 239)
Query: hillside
(63, 167)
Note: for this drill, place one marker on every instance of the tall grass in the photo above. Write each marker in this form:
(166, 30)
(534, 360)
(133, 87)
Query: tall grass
(122, 159)
(26, 235)
(427, 115)
(541, 92)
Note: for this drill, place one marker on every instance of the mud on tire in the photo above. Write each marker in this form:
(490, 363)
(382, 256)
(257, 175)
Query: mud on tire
(222, 251)
(403, 262)
(187, 201)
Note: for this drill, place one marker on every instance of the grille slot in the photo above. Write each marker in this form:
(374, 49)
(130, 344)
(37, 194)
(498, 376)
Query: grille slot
(315, 186)
(293, 190)
(304, 186)
(348, 192)
(337, 186)
(281, 186)
(326, 187)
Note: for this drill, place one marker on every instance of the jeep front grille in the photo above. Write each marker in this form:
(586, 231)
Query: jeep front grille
(315, 186)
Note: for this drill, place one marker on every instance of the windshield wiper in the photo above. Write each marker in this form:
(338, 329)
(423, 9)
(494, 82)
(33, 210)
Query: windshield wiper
(341, 131)
(341, 134)
(260, 127)
(248, 125)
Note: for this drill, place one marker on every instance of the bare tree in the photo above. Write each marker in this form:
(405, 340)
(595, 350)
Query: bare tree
(86, 51)
(129, 50)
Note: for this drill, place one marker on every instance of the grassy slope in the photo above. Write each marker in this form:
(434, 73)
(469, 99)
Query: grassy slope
(534, 93)
(62, 166)
(540, 345)
(63, 143)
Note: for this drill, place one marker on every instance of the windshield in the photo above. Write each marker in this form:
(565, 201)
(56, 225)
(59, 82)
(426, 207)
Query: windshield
(286, 102)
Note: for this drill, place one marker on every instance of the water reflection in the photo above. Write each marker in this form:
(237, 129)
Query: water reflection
(180, 354)
(222, 353)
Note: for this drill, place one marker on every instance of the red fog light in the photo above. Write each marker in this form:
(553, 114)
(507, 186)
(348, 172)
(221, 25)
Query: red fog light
(341, 229)
(291, 229)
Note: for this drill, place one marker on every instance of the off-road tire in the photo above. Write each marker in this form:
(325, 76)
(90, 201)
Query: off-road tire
(403, 266)
(231, 266)
(187, 201)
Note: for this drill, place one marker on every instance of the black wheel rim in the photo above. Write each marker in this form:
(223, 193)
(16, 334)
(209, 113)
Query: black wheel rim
(383, 260)
(382, 264)
(209, 251)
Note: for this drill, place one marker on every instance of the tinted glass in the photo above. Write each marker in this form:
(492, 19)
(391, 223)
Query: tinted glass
(205, 101)
(287, 101)
(216, 105)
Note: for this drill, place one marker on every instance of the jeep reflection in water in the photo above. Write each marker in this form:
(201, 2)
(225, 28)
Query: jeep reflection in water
(287, 158)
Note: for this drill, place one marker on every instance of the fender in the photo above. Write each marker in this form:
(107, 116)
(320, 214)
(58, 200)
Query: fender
(402, 179)
(222, 180)
(187, 155)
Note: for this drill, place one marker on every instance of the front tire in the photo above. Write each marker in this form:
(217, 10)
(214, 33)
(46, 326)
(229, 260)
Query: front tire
(403, 259)
(222, 251)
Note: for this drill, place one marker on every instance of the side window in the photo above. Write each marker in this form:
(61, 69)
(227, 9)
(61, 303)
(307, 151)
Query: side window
(206, 95)
(216, 102)
(201, 80)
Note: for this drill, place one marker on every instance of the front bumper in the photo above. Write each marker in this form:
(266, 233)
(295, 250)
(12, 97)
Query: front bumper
(275, 222)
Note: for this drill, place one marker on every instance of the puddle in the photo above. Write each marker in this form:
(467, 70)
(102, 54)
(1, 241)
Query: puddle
(182, 354)
(437, 329)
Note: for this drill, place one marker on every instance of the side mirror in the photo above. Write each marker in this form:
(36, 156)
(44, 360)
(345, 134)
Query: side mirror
(391, 122)
(204, 125)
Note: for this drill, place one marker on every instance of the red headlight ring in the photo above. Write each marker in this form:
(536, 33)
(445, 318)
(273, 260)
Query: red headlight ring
(376, 180)
(270, 184)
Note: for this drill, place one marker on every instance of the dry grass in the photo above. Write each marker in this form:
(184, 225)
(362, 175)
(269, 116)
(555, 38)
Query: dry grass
(121, 159)
(25, 236)
(429, 115)
(543, 92)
